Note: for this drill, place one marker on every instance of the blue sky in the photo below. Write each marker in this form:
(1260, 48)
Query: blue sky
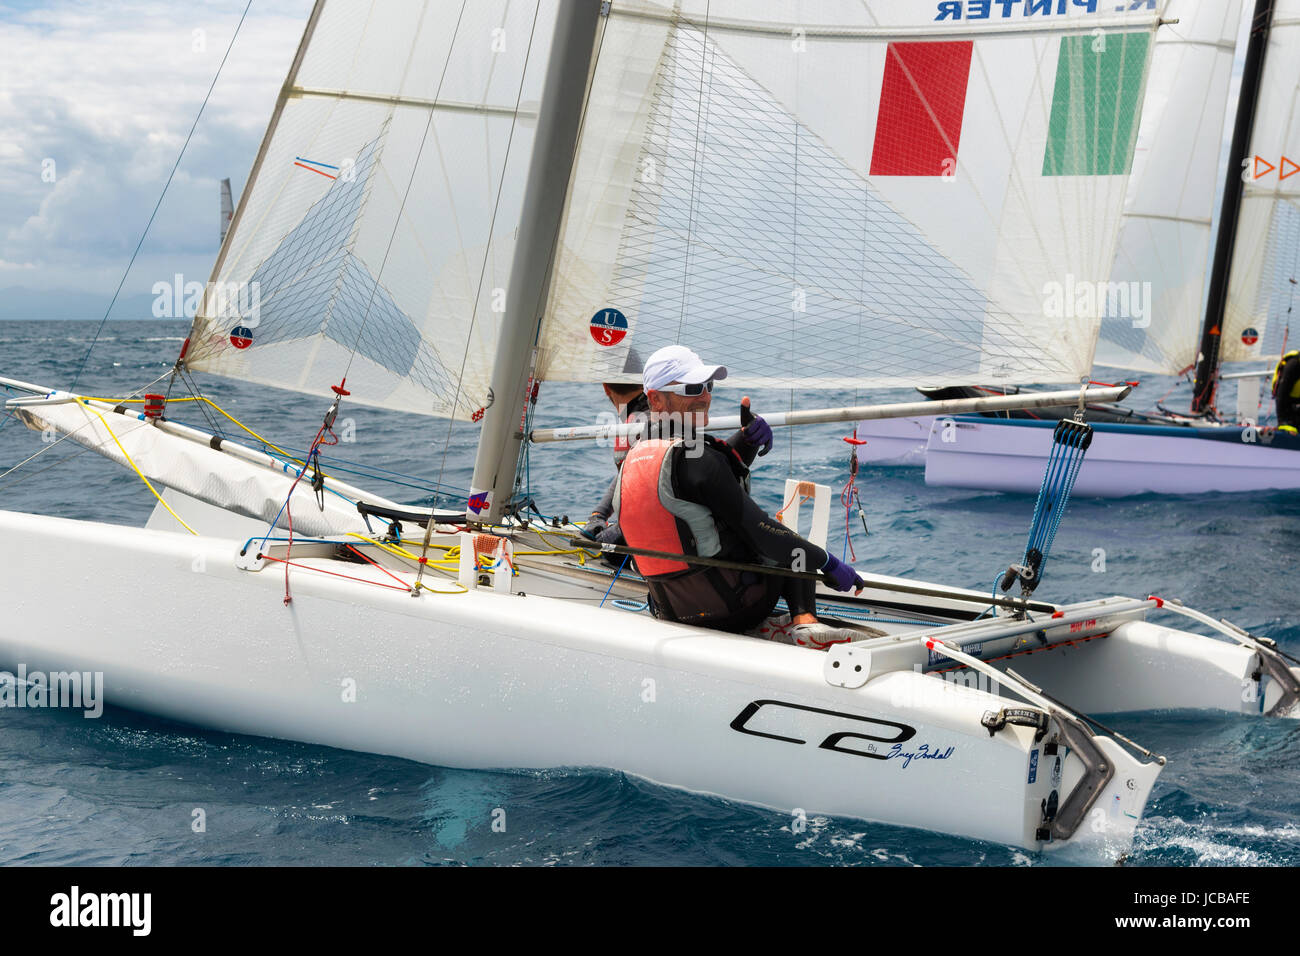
(107, 92)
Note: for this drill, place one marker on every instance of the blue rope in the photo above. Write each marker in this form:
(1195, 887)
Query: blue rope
(994, 605)
(613, 580)
(1070, 441)
(296, 540)
(858, 614)
(276, 520)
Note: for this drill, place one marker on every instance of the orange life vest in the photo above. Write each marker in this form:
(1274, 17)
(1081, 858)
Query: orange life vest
(648, 510)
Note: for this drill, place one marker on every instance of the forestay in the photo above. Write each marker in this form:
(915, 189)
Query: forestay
(376, 229)
(1152, 317)
(1262, 286)
(836, 194)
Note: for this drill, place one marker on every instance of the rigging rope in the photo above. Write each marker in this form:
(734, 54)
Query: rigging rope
(849, 496)
(327, 427)
(137, 470)
(158, 205)
(65, 437)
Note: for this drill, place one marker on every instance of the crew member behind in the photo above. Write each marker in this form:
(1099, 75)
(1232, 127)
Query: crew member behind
(1286, 392)
(629, 403)
(684, 492)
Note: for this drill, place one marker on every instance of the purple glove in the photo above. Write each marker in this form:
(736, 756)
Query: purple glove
(756, 431)
(759, 434)
(841, 576)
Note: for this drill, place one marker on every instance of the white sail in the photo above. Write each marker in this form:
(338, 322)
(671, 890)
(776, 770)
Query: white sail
(375, 230)
(1161, 263)
(1262, 286)
(836, 194)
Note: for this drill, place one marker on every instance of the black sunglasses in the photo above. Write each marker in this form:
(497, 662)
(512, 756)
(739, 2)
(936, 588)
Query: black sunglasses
(690, 391)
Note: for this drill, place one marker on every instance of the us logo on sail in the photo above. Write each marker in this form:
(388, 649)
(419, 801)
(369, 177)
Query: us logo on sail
(608, 327)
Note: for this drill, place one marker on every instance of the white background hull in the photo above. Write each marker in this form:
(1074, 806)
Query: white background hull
(995, 456)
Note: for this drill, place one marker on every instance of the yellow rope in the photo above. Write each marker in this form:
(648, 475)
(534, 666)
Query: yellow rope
(200, 398)
(249, 430)
(403, 553)
(139, 472)
(542, 535)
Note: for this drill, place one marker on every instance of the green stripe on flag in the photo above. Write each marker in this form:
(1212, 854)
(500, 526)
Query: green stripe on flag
(1095, 105)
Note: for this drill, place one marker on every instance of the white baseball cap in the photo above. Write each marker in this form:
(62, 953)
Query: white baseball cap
(677, 363)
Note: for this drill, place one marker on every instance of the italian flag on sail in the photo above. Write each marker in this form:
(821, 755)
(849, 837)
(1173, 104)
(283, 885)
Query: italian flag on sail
(1093, 120)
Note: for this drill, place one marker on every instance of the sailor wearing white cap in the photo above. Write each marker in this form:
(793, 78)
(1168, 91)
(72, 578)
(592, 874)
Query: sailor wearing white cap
(691, 500)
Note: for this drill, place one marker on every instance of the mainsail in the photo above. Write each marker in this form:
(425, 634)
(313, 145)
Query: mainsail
(376, 229)
(1160, 266)
(837, 194)
(1262, 286)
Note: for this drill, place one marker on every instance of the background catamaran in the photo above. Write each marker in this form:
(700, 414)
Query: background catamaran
(1164, 242)
(679, 172)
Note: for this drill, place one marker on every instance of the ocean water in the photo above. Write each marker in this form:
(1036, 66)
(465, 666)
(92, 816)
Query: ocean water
(122, 789)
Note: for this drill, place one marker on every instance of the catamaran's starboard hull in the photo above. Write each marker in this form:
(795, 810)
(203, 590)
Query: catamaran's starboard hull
(493, 680)
(1010, 455)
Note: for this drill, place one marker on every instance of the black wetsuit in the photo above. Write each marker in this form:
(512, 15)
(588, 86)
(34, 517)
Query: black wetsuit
(1288, 376)
(716, 476)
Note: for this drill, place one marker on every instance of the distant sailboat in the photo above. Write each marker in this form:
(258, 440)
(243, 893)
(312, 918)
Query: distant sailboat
(227, 208)
(457, 201)
(1163, 248)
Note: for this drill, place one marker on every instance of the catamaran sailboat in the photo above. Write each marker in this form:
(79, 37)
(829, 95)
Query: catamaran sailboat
(532, 193)
(1164, 240)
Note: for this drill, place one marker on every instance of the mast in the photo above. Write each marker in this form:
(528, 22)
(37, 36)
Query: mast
(545, 196)
(1207, 363)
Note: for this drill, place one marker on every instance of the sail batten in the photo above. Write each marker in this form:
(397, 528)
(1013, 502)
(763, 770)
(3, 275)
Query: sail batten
(427, 104)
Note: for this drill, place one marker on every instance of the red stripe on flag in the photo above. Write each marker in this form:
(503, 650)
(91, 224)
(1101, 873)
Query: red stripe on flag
(922, 99)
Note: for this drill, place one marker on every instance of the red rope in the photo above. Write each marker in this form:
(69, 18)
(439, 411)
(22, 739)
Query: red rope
(849, 493)
(288, 503)
(334, 574)
(370, 560)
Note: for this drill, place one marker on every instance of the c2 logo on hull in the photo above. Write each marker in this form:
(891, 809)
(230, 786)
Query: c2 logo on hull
(832, 741)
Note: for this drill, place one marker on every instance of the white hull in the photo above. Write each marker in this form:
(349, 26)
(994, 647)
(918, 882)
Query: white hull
(1123, 460)
(486, 679)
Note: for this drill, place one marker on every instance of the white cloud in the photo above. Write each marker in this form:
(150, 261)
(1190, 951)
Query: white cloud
(108, 92)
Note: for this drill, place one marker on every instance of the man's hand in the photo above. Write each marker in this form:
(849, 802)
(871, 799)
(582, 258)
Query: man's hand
(841, 576)
(757, 431)
(594, 526)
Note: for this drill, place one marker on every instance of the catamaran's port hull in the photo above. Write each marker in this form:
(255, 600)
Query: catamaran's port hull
(1010, 455)
(494, 680)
